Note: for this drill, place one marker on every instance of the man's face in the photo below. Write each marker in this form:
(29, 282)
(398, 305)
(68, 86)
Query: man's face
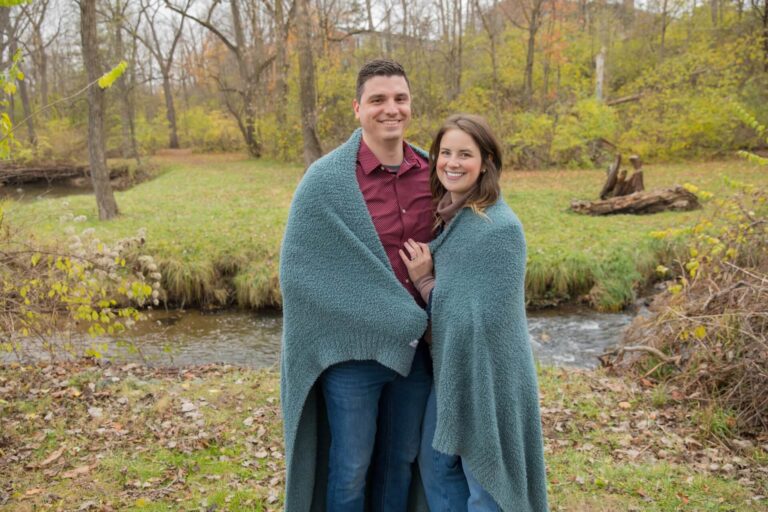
(384, 109)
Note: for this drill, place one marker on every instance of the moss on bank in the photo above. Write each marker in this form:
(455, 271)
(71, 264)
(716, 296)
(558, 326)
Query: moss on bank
(214, 224)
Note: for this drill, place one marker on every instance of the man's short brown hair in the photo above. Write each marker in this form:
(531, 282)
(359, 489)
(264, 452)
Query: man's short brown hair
(378, 67)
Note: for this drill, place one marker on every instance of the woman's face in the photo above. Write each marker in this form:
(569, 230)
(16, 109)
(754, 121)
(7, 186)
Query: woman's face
(459, 162)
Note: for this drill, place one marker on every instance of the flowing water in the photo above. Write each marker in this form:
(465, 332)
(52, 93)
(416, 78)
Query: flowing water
(561, 337)
(30, 192)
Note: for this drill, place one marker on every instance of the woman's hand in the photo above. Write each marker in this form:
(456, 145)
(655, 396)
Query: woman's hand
(418, 260)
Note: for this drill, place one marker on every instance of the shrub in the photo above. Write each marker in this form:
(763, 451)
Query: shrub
(711, 324)
(50, 291)
(580, 133)
(208, 130)
(530, 139)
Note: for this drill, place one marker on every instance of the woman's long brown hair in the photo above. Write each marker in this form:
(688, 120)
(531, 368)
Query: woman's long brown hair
(487, 190)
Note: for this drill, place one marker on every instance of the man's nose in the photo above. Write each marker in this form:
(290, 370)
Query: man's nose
(391, 107)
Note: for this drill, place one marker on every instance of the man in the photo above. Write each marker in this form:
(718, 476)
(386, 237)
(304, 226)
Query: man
(355, 376)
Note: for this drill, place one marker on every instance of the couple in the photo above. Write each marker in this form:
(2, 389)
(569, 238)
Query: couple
(381, 412)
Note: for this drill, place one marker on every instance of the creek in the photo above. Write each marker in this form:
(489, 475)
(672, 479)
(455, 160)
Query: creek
(565, 336)
(36, 191)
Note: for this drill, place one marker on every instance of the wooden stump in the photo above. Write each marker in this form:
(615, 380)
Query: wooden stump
(654, 201)
(616, 182)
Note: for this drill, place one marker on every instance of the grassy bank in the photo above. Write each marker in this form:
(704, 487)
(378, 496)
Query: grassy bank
(214, 225)
(85, 437)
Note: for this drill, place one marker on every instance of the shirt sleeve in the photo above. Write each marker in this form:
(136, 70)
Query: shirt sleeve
(425, 285)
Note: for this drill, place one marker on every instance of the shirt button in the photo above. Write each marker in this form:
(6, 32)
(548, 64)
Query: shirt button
(403, 210)
(407, 281)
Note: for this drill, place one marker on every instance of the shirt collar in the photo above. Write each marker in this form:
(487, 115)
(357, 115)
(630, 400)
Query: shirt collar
(369, 162)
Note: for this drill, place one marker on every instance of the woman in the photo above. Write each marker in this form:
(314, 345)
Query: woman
(481, 441)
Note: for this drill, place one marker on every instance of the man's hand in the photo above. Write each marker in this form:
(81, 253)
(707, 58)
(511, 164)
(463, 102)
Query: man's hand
(418, 260)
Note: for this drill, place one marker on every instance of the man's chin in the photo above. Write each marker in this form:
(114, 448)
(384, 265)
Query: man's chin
(390, 135)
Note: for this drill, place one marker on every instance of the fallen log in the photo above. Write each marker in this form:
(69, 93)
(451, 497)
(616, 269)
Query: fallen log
(653, 201)
(625, 99)
(17, 174)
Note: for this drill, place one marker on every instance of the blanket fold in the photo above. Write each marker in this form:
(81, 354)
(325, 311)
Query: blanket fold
(485, 378)
(341, 302)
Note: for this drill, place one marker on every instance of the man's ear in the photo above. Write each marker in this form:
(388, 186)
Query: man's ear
(356, 108)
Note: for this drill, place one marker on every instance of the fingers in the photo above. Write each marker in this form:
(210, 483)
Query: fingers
(415, 249)
(415, 252)
(406, 259)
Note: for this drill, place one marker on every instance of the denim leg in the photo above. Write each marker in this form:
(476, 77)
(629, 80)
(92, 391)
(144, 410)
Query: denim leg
(444, 482)
(401, 410)
(479, 499)
(352, 391)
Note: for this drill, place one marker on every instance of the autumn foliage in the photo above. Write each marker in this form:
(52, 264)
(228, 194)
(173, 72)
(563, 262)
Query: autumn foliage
(710, 327)
(51, 291)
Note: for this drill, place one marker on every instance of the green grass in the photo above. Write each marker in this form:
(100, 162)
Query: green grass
(607, 446)
(214, 225)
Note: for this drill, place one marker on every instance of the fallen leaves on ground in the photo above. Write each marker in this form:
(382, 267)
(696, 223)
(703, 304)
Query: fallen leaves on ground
(64, 425)
(95, 436)
(597, 414)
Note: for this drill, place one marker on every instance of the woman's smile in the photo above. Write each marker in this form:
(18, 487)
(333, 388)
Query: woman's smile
(459, 162)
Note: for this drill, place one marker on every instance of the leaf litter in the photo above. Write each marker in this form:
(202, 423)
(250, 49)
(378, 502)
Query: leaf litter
(210, 437)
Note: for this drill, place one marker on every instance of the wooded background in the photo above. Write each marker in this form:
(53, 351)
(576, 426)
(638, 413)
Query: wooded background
(564, 82)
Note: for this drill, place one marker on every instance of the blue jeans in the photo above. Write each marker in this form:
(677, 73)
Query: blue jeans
(371, 406)
(448, 484)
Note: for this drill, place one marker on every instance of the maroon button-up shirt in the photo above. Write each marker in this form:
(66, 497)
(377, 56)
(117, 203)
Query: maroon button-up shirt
(400, 204)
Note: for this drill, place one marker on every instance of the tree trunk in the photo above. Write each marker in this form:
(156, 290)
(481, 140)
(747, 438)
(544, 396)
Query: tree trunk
(664, 16)
(312, 148)
(489, 25)
(5, 29)
(404, 4)
(105, 198)
(248, 127)
(765, 36)
(533, 28)
(369, 13)
(43, 73)
(248, 76)
(170, 111)
(459, 42)
(127, 115)
(281, 71)
(600, 72)
(25, 104)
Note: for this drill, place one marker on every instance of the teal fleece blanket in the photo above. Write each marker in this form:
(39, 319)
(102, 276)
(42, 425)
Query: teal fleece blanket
(485, 379)
(341, 302)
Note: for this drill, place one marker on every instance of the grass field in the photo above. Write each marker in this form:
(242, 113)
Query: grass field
(88, 437)
(214, 224)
